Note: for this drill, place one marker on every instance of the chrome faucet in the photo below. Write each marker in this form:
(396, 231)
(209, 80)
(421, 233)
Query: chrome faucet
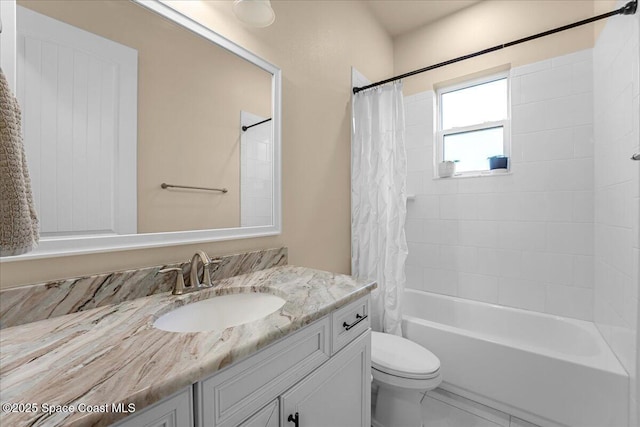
(195, 284)
(206, 277)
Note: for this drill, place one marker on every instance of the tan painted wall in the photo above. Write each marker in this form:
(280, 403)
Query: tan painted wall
(190, 94)
(487, 24)
(315, 43)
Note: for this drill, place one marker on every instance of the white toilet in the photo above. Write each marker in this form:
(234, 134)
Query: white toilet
(403, 371)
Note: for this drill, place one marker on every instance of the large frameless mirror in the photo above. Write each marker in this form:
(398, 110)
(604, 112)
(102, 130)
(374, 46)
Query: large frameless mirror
(142, 127)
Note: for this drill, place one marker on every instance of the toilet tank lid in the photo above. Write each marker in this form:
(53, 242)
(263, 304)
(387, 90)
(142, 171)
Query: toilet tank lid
(398, 354)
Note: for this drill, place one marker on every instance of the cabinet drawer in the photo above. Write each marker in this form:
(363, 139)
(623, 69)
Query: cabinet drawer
(229, 396)
(349, 322)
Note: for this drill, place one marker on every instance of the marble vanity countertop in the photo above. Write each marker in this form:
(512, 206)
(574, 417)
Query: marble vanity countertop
(113, 354)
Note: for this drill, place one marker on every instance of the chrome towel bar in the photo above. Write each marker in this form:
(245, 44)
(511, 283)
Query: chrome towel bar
(165, 186)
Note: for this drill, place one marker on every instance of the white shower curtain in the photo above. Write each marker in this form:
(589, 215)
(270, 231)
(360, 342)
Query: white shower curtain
(378, 200)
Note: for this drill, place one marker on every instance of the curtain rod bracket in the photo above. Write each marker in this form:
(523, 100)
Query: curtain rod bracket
(630, 8)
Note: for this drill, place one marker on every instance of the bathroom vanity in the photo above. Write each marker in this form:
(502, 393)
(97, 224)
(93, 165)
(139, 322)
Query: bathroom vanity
(292, 382)
(306, 364)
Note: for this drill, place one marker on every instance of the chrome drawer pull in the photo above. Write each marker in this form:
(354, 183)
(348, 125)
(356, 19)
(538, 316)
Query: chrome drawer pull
(359, 319)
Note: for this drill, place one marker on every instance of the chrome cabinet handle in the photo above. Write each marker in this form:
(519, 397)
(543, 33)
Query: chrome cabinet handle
(359, 319)
(636, 156)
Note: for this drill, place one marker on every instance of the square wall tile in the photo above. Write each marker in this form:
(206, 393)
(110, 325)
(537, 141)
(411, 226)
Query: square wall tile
(423, 254)
(583, 271)
(459, 258)
(582, 76)
(526, 294)
(449, 232)
(478, 287)
(440, 281)
(499, 206)
(560, 269)
(415, 183)
(418, 136)
(583, 206)
(570, 238)
(415, 278)
(569, 301)
(570, 175)
(431, 231)
(478, 233)
(529, 236)
(424, 206)
(582, 141)
(418, 158)
(548, 84)
(499, 262)
(535, 266)
(560, 206)
(556, 144)
(413, 229)
(419, 112)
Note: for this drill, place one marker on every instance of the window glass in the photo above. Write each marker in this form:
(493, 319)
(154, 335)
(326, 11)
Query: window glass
(471, 150)
(473, 105)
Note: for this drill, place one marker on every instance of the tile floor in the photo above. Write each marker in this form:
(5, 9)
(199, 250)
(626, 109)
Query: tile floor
(441, 408)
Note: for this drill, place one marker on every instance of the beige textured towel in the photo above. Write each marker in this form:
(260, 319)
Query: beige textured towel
(18, 219)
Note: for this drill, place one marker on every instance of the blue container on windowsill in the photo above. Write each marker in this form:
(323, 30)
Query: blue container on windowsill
(498, 162)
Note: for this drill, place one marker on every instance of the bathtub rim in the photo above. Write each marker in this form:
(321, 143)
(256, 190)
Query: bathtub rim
(605, 360)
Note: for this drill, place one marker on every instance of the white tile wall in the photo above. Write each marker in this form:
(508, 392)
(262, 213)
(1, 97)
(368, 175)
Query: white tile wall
(616, 113)
(526, 239)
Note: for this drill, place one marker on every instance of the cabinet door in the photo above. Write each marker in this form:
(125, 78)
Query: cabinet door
(232, 395)
(269, 416)
(175, 411)
(338, 394)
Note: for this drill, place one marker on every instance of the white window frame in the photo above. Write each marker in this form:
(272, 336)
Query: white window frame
(505, 124)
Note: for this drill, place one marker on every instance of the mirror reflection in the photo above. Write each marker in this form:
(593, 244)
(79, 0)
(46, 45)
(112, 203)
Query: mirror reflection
(117, 100)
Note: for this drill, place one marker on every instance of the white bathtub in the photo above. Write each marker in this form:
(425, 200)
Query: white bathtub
(546, 369)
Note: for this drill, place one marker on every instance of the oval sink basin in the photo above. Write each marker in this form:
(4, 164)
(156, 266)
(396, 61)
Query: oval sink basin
(219, 313)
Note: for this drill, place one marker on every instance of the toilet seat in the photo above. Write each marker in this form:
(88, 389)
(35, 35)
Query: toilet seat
(399, 357)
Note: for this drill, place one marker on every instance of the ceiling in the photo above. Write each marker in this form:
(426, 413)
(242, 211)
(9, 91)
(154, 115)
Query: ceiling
(401, 16)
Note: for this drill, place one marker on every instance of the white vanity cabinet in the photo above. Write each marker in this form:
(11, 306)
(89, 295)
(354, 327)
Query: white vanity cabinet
(232, 395)
(321, 373)
(335, 395)
(174, 411)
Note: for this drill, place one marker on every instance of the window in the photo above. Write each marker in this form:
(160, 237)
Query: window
(473, 123)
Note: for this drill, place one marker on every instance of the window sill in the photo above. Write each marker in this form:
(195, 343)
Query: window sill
(474, 175)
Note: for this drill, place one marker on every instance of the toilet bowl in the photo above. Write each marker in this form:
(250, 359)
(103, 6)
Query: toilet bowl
(403, 371)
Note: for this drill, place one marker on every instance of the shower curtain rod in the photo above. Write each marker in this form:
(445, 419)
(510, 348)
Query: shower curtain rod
(244, 128)
(628, 9)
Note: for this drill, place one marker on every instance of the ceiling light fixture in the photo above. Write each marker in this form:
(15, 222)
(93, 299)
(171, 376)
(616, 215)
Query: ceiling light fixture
(257, 13)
